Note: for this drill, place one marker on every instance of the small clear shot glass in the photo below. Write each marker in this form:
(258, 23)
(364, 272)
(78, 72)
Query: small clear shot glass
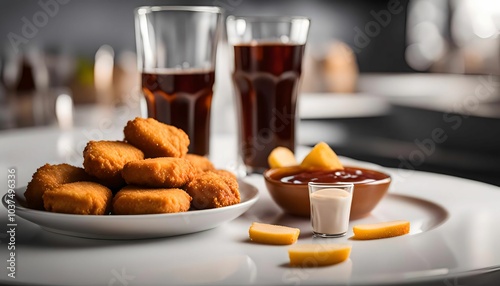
(330, 208)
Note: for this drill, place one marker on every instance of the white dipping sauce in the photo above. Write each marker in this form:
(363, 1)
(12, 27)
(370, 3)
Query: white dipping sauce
(330, 210)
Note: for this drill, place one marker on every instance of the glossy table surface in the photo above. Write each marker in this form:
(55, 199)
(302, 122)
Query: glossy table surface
(454, 231)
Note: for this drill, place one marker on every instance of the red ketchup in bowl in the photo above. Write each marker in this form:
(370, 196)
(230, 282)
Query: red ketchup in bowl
(288, 187)
(348, 175)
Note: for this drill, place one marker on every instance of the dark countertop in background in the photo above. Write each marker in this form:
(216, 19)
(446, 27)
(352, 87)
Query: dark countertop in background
(447, 124)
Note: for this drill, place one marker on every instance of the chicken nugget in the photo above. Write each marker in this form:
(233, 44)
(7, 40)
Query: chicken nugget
(163, 172)
(211, 190)
(85, 198)
(133, 200)
(229, 178)
(156, 139)
(200, 163)
(50, 176)
(226, 174)
(105, 160)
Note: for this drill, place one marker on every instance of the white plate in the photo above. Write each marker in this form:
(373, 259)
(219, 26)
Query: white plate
(135, 226)
(454, 233)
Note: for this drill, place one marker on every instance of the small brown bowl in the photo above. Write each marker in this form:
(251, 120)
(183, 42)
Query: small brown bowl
(293, 198)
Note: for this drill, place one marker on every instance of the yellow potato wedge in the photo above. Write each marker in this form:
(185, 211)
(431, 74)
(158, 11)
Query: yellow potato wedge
(273, 234)
(381, 230)
(281, 157)
(322, 157)
(312, 255)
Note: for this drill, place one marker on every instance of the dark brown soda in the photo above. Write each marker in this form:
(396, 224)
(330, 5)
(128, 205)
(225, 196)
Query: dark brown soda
(182, 99)
(266, 78)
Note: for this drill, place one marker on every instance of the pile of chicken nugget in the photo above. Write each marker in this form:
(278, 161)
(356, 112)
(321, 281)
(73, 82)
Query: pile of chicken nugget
(149, 172)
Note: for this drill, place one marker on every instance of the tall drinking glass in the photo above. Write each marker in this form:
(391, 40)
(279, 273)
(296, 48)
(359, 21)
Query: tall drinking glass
(268, 55)
(176, 48)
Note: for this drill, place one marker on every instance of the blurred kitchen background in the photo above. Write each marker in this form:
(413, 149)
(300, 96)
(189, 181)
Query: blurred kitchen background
(412, 84)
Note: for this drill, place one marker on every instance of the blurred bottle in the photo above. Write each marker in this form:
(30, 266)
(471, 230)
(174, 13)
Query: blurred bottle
(331, 68)
(126, 80)
(31, 93)
(6, 119)
(341, 69)
(25, 79)
(61, 65)
(26, 82)
(103, 75)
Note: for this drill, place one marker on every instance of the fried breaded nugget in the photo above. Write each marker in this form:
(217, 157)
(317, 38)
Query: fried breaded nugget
(133, 200)
(212, 190)
(225, 173)
(200, 163)
(163, 172)
(230, 179)
(156, 139)
(85, 198)
(105, 160)
(50, 176)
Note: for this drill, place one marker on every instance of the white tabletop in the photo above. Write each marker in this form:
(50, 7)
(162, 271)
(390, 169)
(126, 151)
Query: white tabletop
(454, 232)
